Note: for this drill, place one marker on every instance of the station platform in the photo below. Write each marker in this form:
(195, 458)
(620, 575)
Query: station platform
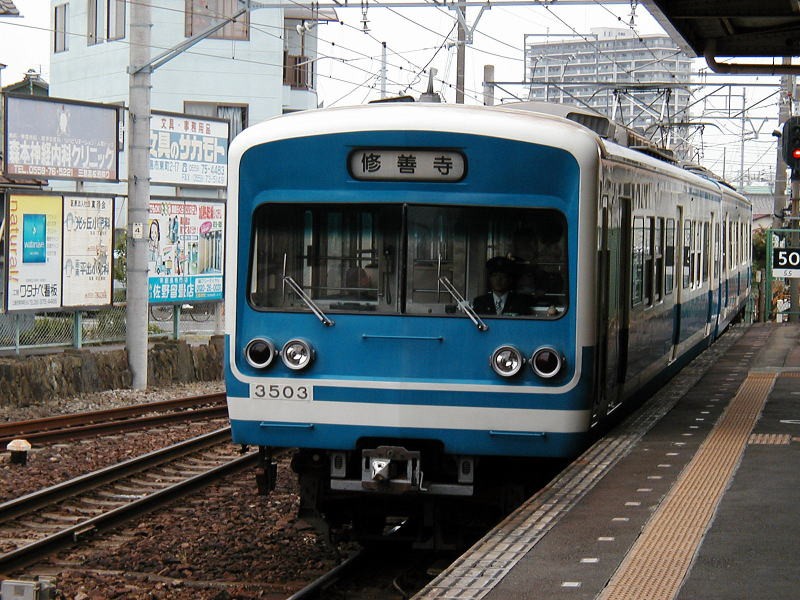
(696, 496)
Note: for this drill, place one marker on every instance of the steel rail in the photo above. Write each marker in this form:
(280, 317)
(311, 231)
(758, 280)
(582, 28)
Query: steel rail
(70, 489)
(81, 425)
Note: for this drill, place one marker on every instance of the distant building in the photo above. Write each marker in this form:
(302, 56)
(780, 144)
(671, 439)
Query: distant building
(637, 80)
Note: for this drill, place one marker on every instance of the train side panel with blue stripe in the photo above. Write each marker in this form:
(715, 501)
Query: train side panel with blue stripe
(358, 239)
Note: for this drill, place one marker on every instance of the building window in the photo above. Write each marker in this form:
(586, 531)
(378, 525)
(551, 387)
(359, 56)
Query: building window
(235, 114)
(106, 21)
(297, 71)
(60, 28)
(202, 14)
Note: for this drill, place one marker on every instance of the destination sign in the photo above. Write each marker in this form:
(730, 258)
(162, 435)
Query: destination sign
(407, 164)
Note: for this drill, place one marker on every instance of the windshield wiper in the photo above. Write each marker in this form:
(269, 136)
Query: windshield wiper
(463, 304)
(307, 300)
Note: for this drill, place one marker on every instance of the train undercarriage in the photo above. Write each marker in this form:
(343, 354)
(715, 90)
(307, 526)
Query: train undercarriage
(418, 496)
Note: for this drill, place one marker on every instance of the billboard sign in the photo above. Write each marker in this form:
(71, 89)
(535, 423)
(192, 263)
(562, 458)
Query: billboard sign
(185, 241)
(88, 230)
(186, 150)
(60, 139)
(34, 237)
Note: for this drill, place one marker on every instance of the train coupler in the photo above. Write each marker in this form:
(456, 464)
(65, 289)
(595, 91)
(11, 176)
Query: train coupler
(391, 469)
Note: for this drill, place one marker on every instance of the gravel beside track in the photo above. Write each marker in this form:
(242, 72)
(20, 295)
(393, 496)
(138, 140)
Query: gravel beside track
(222, 542)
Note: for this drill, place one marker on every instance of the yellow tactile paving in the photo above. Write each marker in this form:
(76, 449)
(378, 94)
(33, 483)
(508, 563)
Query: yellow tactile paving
(659, 560)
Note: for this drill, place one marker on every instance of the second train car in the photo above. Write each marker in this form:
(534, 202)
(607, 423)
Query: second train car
(368, 249)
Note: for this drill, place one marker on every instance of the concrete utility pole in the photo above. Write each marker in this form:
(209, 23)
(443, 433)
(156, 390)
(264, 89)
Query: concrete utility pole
(136, 335)
(140, 70)
(461, 51)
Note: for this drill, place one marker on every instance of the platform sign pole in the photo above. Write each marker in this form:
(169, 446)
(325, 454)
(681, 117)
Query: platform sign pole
(768, 278)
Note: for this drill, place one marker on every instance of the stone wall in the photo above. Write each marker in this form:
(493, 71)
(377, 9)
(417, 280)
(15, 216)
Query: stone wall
(33, 379)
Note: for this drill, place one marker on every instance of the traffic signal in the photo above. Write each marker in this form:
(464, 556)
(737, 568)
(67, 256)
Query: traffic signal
(790, 138)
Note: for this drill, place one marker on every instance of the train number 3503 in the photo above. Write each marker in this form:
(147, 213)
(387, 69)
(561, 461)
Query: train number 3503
(281, 391)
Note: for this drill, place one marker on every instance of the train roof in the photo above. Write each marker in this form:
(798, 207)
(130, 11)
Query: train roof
(600, 135)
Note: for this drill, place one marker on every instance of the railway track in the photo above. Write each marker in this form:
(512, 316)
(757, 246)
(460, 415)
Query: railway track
(43, 521)
(82, 425)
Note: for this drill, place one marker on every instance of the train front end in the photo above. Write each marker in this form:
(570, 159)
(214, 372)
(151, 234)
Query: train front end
(362, 327)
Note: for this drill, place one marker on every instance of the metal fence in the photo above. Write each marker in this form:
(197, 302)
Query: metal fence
(20, 331)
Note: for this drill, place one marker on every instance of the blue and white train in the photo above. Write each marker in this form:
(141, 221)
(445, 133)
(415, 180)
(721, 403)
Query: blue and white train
(358, 245)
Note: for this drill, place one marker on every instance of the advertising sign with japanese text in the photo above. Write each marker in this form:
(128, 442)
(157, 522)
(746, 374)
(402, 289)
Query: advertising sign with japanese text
(34, 252)
(60, 139)
(185, 241)
(88, 229)
(188, 151)
(3, 265)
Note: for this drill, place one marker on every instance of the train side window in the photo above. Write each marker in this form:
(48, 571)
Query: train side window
(687, 254)
(706, 251)
(637, 261)
(658, 258)
(669, 257)
(698, 253)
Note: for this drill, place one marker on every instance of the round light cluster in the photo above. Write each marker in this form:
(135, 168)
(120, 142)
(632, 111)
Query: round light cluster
(296, 354)
(545, 362)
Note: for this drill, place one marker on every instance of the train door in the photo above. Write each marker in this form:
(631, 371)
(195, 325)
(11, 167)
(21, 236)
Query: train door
(606, 326)
(680, 261)
(710, 257)
(614, 272)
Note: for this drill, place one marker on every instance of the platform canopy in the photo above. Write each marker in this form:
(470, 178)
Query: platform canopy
(727, 31)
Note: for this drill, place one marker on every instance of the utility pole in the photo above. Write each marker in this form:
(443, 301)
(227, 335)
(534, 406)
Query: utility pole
(383, 70)
(140, 71)
(461, 50)
(136, 334)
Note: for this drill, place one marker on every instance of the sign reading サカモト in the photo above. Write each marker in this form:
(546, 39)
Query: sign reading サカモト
(60, 139)
(188, 151)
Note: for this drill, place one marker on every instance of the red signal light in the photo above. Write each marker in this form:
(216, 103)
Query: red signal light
(796, 153)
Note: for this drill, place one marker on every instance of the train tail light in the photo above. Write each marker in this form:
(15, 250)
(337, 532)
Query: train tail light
(259, 353)
(547, 362)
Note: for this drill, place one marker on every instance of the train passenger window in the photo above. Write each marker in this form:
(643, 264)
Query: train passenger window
(353, 258)
(706, 250)
(658, 257)
(669, 257)
(688, 256)
(642, 272)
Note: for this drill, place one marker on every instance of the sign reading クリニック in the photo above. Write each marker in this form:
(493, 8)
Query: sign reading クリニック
(60, 139)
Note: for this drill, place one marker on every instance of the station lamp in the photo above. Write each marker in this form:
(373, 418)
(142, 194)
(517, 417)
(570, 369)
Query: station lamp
(790, 139)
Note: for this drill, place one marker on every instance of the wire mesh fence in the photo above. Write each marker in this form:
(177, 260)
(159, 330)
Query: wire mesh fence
(20, 331)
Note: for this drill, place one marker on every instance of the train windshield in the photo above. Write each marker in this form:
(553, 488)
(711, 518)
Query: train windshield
(408, 259)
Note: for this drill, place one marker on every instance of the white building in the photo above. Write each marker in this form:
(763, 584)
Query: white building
(254, 68)
(640, 81)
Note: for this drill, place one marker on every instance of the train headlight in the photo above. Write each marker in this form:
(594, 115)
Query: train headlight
(297, 354)
(507, 361)
(259, 353)
(547, 362)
